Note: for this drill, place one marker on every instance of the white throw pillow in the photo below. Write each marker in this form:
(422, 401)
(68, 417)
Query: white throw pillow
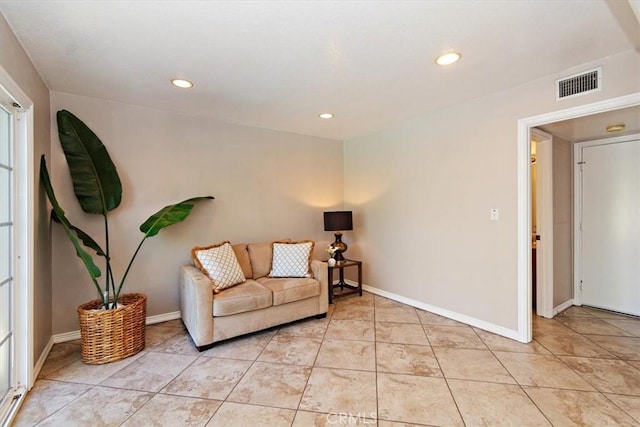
(219, 263)
(291, 259)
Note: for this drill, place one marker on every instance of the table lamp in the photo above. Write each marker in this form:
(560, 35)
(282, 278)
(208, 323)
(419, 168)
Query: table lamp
(338, 221)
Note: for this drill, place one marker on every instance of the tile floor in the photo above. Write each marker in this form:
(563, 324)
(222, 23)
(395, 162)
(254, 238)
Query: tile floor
(372, 361)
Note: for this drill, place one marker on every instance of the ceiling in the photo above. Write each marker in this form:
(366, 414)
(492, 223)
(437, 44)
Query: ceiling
(593, 127)
(278, 64)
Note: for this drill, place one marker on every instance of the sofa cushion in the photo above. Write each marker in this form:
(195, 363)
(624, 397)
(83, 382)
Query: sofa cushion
(247, 296)
(219, 263)
(240, 249)
(260, 255)
(291, 259)
(289, 289)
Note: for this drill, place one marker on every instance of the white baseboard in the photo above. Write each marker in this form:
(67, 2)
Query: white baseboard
(490, 327)
(40, 362)
(66, 336)
(159, 318)
(75, 335)
(562, 307)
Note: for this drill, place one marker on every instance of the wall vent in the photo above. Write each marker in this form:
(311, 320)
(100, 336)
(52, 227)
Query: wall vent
(579, 84)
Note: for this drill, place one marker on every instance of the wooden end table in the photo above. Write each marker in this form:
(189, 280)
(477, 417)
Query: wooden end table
(340, 266)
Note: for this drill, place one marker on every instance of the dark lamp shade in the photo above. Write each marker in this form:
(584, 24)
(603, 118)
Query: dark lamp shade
(338, 221)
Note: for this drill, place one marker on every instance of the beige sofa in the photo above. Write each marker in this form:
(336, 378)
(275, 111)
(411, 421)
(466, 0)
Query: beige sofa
(259, 303)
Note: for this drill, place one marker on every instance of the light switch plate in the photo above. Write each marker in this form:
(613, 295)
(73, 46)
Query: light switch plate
(494, 214)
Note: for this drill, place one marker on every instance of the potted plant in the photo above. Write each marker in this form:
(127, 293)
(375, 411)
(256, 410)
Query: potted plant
(112, 326)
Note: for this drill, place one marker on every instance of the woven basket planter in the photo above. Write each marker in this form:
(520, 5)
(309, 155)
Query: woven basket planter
(110, 335)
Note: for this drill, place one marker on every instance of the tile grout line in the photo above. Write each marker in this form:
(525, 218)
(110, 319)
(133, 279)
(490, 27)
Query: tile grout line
(253, 362)
(151, 350)
(155, 349)
(91, 387)
(517, 383)
(606, 396)
(375, 360)
(562, 358)
(444, 377)
(596, 389)
(304, 389)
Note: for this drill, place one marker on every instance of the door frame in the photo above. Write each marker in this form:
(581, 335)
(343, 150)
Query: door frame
(525, 125)
(577, 212)
(544, 220)
(24, 240)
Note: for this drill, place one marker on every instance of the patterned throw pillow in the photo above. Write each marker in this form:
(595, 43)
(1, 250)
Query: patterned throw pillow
(292, 259)
(219, 263)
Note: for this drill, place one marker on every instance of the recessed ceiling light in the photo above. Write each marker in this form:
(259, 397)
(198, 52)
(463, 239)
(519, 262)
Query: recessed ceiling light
(326, 116)
(615, 128)
(182, 83)
(448, 58)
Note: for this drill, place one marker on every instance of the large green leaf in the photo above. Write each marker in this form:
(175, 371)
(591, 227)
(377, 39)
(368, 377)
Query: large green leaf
(165, 217)
(92, 268)
(95, 178)
(169, 215)
(86, 239)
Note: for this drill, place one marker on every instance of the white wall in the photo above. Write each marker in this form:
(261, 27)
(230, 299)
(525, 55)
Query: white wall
(562, 221)
(16, 62)
(421, 193)
(267, 184)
